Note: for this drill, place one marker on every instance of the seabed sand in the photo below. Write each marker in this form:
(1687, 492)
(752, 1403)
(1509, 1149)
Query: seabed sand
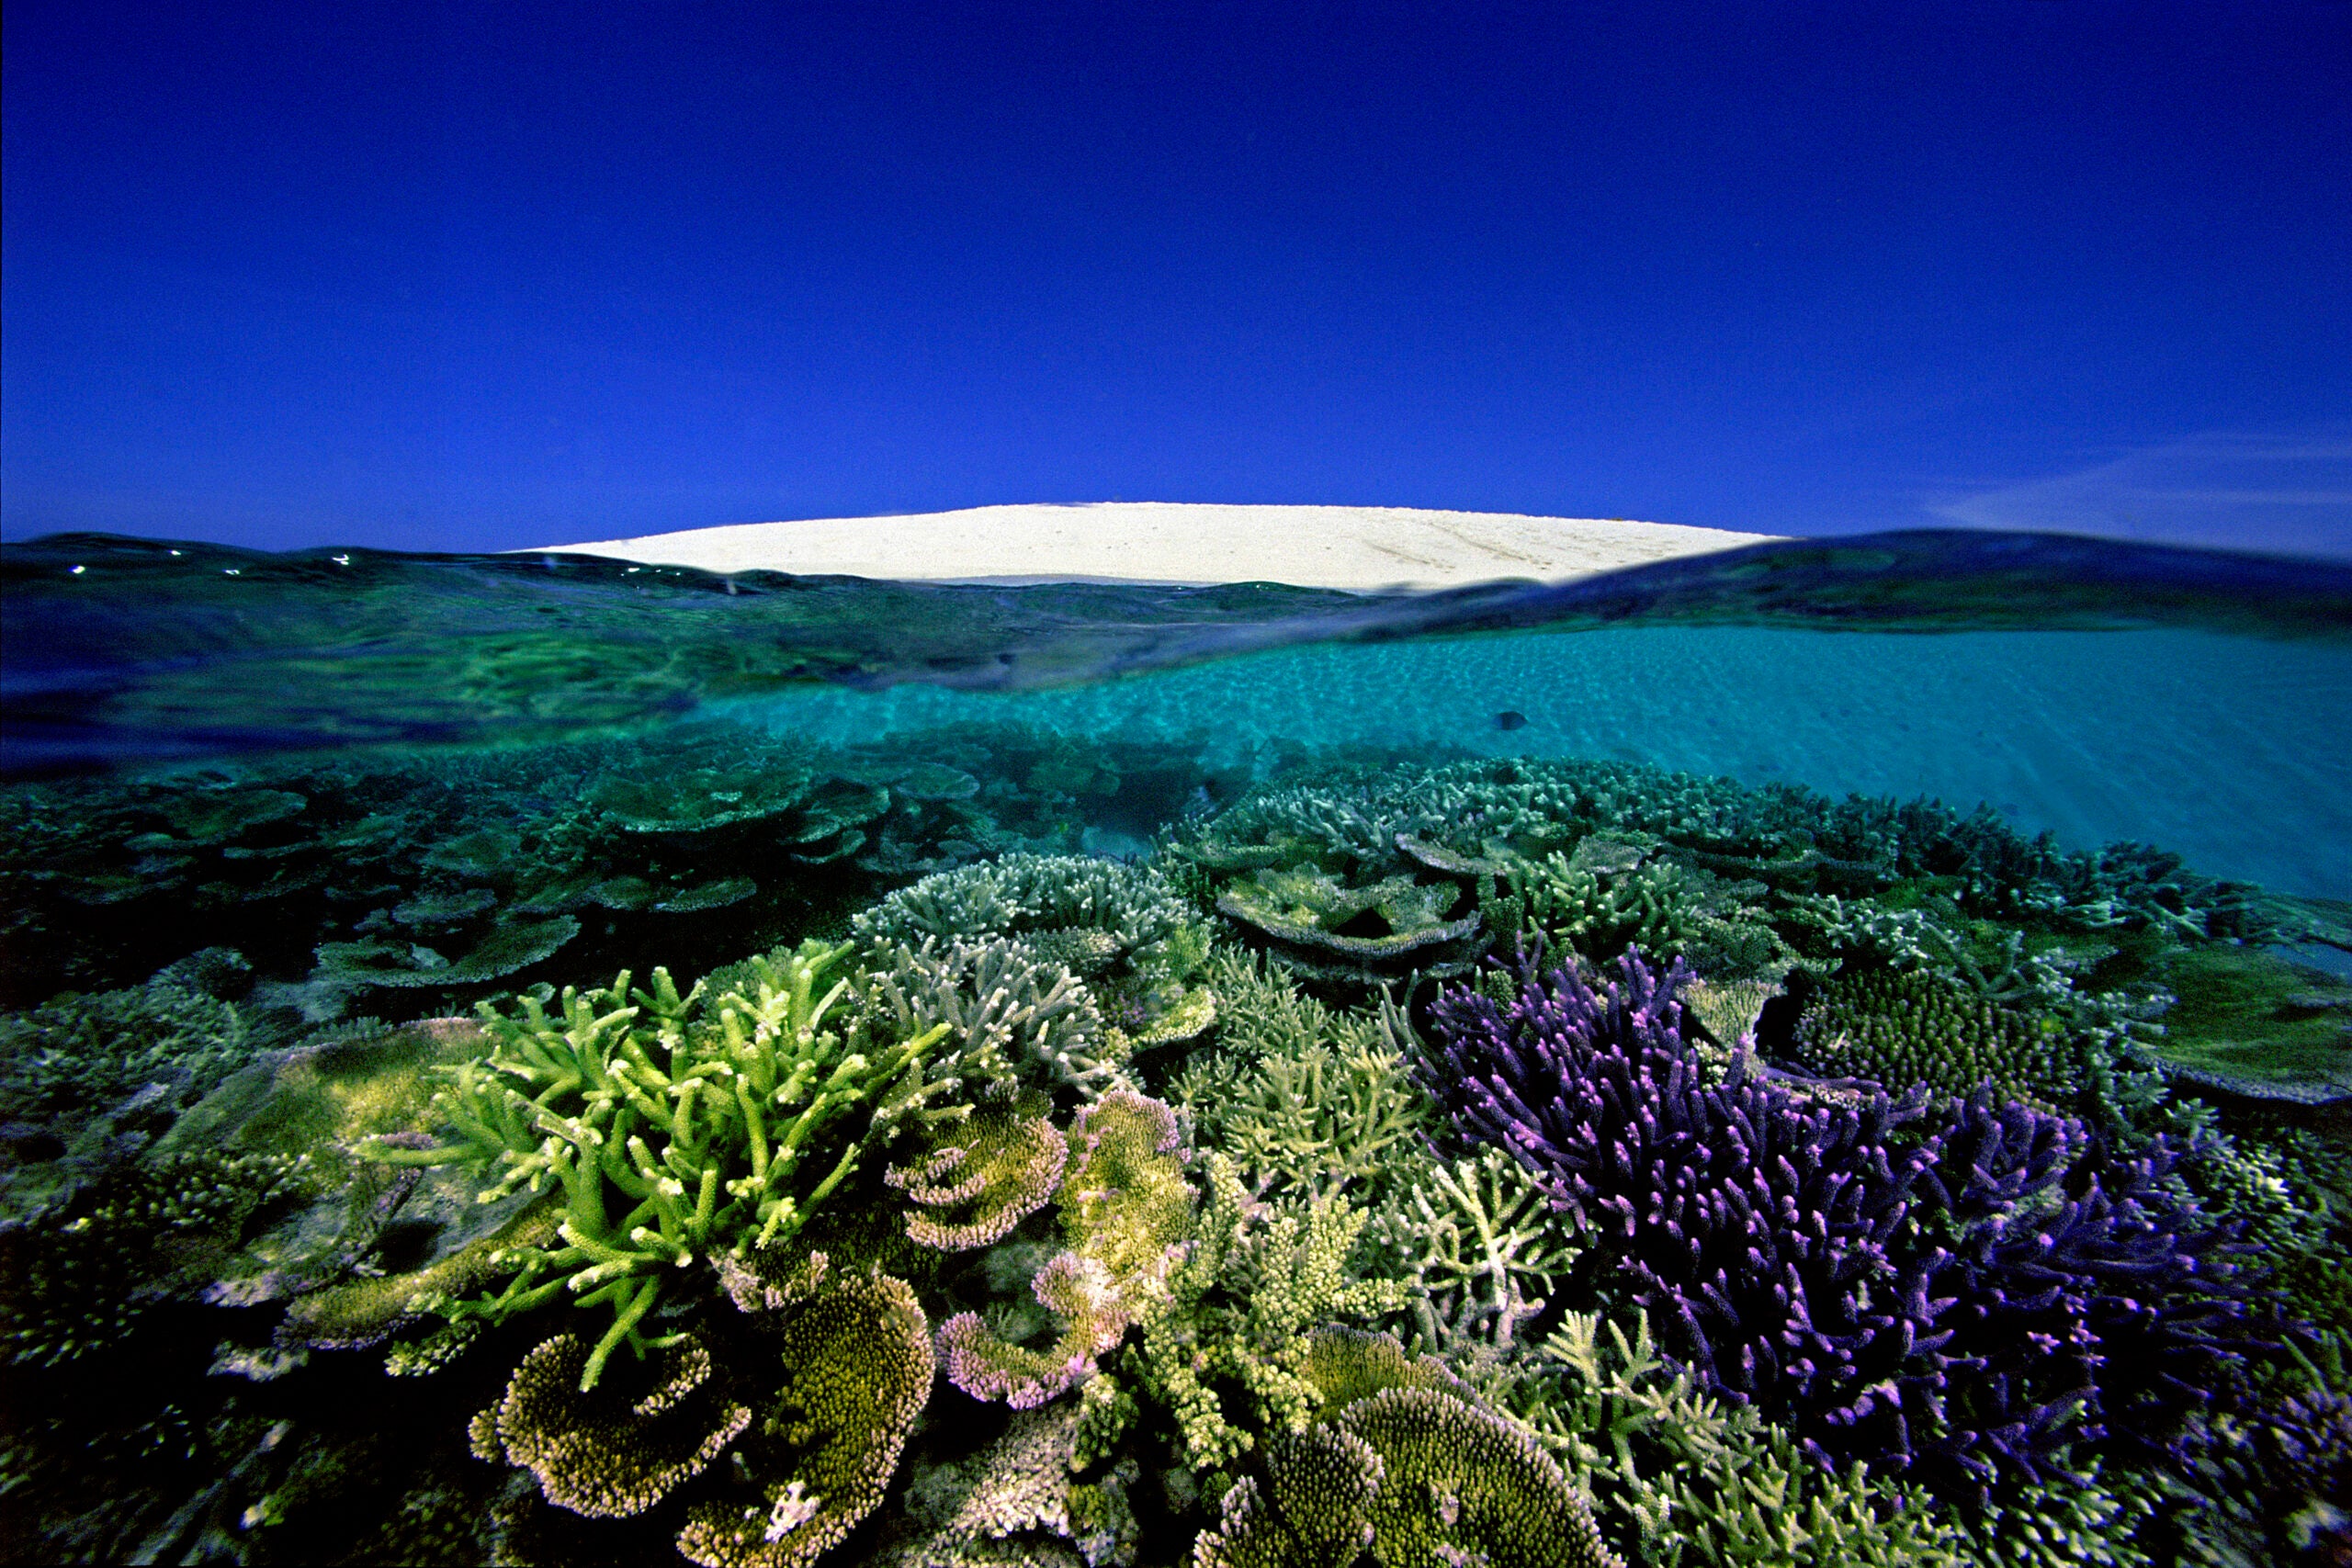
(1362, 548)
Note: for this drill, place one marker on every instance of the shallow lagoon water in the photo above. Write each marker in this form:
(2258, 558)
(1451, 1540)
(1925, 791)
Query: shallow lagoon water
(328, 1232)
(2225, 749)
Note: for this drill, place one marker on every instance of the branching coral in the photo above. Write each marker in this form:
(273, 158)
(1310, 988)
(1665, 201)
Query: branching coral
(1681, 1476)
(1011, 1019)
(1123, 928)
(86, 1053)
(677, 1127)
(1479, 1251)
(1776, 1241)
(1235, 1312)
(77, 1277)
(1299, 1094)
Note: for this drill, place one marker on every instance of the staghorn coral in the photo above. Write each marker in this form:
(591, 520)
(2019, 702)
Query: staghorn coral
(677, 1128)
(1777, 1243)
(857, 1370)
(2093, 1518)
(1681, 1476)
(1300, 1095)
(609, 1453)
(88, 1053)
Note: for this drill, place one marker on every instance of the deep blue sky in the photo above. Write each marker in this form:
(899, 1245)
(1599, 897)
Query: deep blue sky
(482, 275)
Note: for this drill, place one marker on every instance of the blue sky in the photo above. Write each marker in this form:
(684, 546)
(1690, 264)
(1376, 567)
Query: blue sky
(482, 276)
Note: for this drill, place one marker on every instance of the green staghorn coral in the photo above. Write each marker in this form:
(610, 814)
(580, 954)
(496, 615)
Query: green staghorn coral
(677, 1128)
(2092, 1520)
(1678, 1477)
(1306, 1097)
(1235, 1313)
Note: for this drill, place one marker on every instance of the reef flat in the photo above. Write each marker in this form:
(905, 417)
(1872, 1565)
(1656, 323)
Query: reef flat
(705, 1144)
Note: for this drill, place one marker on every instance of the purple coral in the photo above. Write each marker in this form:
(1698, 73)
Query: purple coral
(1783, 1242)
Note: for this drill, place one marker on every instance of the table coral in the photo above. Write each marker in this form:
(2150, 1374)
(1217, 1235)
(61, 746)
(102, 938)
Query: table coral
(858, 1368)
(609, 1452)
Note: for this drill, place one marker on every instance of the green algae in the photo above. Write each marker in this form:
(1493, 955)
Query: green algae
(2251, 1021)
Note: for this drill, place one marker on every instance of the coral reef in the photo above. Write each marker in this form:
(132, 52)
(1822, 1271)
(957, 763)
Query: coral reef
(1404, 1463)
(2252, 1024)
(1779, 1243)
(995, 1170)
(1300, 1095)
(1318, 926)
(1818, 1202)
(77, 1276)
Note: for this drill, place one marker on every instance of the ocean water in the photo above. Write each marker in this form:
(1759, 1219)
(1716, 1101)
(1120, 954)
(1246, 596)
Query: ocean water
(1857, 1034)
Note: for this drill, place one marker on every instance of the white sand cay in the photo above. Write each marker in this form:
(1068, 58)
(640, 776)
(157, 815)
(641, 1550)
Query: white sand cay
(1357, 548)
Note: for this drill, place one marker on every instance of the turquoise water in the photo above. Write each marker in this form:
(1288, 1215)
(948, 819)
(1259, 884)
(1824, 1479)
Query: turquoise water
(1150, 1095)
(2228, 750)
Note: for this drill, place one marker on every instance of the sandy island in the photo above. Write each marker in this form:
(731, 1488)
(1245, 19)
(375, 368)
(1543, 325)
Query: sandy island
(1362, 548)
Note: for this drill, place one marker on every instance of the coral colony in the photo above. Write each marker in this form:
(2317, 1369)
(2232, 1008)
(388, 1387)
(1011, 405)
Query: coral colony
(1547, 1164)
